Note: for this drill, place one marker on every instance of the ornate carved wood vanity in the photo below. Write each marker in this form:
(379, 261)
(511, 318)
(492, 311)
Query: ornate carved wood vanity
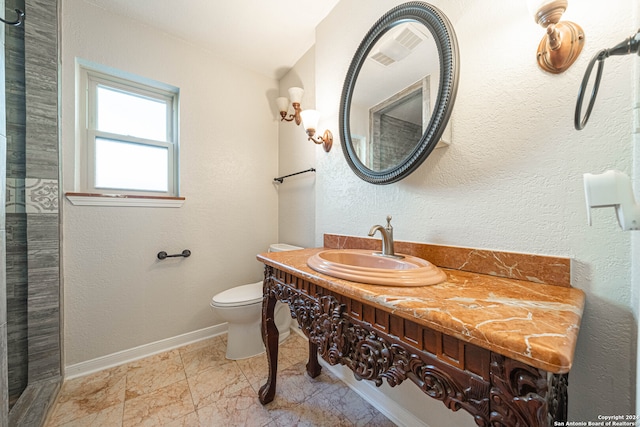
(485, 341)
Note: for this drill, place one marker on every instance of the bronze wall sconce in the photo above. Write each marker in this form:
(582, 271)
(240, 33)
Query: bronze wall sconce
(564, 40)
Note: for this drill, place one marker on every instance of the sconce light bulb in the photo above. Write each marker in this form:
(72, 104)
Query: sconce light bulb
(283, 104)
(310, 119)
(295, 94)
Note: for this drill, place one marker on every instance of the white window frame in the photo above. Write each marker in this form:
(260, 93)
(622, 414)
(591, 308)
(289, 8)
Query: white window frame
(91, 77)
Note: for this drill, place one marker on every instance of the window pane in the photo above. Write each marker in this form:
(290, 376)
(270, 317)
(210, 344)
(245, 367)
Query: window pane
(128, 166)
(131, 114)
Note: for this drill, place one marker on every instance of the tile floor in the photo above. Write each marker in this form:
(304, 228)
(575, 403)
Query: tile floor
(196, 386)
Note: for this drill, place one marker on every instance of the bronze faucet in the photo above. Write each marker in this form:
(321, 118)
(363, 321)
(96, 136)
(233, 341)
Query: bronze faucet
(387, 239)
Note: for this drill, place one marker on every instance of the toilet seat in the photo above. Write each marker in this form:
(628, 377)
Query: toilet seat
(239, 296)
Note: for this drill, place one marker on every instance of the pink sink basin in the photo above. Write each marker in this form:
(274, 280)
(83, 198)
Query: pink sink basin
(363, 266)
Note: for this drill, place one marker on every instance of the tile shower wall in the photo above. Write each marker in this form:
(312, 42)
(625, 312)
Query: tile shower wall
(41, 190)
(16, 221)
(4, 381)
(395, 141)
(33, 286)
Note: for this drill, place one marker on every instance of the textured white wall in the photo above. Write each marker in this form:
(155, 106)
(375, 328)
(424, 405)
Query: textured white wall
(635, 252)
(116, 294)
(512, 178)
(296, 195)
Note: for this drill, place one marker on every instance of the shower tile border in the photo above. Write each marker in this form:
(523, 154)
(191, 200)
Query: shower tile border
(41, 196)
(15, 199)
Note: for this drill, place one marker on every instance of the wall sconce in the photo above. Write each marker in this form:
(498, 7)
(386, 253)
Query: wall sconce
(564, 40)
(295, 94)
(310, 124)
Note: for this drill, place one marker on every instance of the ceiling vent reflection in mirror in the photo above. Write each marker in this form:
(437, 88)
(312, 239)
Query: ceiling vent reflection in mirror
(399, 46)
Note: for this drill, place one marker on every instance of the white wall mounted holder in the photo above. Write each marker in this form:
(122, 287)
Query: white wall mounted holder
(612, 189)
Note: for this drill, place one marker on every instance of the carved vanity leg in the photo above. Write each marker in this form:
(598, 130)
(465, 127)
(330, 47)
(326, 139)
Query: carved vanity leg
(557, 398)
(270, 336)
(525, 396)
(313, 367)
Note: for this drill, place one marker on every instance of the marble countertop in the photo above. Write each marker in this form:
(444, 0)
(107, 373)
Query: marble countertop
(534, 323)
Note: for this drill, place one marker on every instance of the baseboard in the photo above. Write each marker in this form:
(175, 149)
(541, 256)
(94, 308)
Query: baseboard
(373, 395)
(125, 356)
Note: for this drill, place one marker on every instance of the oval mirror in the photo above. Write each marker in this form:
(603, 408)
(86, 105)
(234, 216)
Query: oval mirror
(399, 92)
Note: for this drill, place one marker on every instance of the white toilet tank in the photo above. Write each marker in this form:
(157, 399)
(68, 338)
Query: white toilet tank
(281, 247)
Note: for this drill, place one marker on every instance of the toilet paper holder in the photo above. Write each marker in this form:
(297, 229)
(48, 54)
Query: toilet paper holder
(612, 189)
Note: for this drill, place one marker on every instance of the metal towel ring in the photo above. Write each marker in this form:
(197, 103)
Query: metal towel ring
(600, 57)
(628, 46)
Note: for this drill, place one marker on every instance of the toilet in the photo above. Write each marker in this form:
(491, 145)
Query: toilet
(241, 308)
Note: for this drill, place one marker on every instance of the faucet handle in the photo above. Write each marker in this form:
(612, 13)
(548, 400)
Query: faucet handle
(389, 227)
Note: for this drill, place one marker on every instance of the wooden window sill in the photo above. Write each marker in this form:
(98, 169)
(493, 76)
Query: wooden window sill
(95, 199)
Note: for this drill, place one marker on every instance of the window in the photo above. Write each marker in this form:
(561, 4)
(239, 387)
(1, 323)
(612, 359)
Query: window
(130, 135)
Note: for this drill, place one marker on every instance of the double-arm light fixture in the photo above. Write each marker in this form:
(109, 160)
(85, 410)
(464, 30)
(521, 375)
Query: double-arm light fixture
(564, 40)
(295, 94)
(308, 118)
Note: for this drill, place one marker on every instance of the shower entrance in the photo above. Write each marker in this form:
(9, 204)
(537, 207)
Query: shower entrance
(31, 335)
